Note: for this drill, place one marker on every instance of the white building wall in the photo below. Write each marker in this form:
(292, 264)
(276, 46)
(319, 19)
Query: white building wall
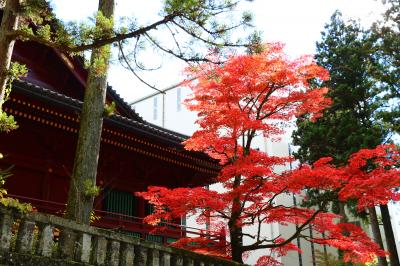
(170, 112)
(394, 209)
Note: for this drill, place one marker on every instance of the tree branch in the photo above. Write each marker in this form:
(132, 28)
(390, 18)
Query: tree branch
(123, 57)
(288, 240)
(19, 34)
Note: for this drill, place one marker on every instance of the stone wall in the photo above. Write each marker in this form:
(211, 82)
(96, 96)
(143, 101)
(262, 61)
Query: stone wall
(41, 239)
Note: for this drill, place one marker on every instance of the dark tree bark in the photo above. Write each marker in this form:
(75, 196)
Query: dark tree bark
(235, 231)
(9, 23)
(80, 202)
(376, 233)
(389, 235)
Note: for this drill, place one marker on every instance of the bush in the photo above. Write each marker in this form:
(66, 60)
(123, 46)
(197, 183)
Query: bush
(7, 122)
(9, 202)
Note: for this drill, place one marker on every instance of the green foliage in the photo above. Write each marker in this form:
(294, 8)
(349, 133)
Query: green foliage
(27, 30)
(387, 33)
(44, 32)
(15, 71)
(353, 57)
(352, 122)
(39, 13)
(37, 10)
(89, 33)
(9, 202)
(99, 65)
(21, 207)
(85, 32)
(90, 189)
(109, 109)
(7, 122)
(94, 217)
(360, 88)
(3, 175)
(104, 26)
(255, 43)
(193, 9)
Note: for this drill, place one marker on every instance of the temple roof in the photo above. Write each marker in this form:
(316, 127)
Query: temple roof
(123, 104)
(133, 122)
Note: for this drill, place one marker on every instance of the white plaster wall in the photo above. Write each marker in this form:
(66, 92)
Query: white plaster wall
(179, 120)
(146, 110)
(394, 210)
(182, 120)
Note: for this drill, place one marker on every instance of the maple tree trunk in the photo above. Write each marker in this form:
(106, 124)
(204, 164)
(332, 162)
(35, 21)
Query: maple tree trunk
(389, 235)
(377, 234)
(235, 232)
(9, 23)
(236, 241)
(80, 202)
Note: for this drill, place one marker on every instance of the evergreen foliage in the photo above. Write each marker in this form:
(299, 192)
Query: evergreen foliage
(353, 57)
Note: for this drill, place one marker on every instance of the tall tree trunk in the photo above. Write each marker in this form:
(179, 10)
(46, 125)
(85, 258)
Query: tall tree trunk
(236, 235)
(376, 232)
(9, 23)
(389, 235)
(235, 231)
(80, 201)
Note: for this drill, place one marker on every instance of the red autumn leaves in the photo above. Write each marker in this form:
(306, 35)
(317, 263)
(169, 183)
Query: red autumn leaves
(253, 96)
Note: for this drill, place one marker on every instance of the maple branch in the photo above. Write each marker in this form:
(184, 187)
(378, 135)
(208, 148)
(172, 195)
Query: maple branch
(20, 34)
(222, 215)
(288, 240)
(246, 197)
(277, 108)
(266, 206)
(270, 201)
(266, 97)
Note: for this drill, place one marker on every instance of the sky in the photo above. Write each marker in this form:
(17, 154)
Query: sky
(297, 23)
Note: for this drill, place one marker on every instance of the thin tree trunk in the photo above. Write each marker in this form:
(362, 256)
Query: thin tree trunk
(80, 202)
(312, 246)
(390, 240)
(343, 219)
(235, 231)
(9, 23)
(376, 234)
(236, 244)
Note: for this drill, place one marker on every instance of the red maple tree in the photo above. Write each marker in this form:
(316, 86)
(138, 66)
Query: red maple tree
(260, 95)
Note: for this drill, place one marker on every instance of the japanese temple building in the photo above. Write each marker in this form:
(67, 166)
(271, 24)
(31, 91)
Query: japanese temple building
(133, 155)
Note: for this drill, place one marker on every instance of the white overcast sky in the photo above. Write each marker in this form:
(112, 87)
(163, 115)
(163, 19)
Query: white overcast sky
(297, 23)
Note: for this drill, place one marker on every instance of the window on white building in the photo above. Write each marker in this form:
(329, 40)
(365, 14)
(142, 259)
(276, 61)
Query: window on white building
(178, 100)
(155, 108)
